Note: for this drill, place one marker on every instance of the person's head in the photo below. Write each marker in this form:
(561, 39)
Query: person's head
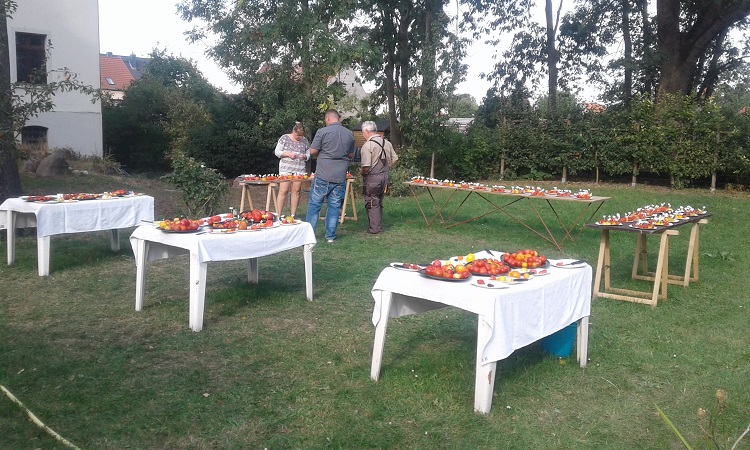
(332, 116)
(298, 130)
(369, 126)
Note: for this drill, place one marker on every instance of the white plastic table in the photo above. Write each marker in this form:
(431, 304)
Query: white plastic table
(508, 319)
(150, 243)
(72, 217)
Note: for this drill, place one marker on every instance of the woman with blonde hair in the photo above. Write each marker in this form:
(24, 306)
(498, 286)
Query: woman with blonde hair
(293, 149)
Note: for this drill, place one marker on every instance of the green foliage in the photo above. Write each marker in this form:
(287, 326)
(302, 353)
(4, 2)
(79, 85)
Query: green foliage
(709, 424)
(202, 187)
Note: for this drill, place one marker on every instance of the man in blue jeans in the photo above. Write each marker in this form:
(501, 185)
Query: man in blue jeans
(334, 146)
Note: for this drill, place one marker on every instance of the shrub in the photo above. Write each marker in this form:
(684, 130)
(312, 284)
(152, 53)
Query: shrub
(202, 187)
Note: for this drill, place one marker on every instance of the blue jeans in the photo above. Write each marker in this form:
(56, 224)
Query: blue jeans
(333, 194)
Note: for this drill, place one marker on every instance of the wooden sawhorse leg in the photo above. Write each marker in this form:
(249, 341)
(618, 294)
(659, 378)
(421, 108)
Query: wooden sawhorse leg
(245, 195)
(660, 278)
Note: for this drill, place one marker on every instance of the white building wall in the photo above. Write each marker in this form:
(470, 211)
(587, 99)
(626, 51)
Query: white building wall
(73, 28)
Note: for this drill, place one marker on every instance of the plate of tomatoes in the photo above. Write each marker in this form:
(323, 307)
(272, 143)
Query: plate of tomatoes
(409, 267)
(490, 284)
(445, 271)
(526, 259)
(486, 267)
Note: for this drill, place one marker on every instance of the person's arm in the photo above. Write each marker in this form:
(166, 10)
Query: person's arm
(394, 156)
(316, 143)
(307, 150)
(279, 151)
(366, 159)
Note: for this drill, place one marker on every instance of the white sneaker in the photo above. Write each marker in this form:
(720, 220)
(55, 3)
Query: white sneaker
(330, 241)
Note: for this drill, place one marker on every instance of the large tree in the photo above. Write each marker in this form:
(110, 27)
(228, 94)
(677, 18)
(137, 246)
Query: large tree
(685, 32)
(283, 52)
(10, 182)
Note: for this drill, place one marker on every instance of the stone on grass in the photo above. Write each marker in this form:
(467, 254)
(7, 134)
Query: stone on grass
(53, 165)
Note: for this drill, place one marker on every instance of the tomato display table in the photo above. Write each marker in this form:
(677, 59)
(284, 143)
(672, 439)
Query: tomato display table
(660, 277)
(150, 243)
(508, 319)
(55, 218)
(272, 194)
(593, 204)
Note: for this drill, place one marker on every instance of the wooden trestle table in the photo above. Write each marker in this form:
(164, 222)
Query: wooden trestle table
(592, 204)
(660, 277)
(272, 194)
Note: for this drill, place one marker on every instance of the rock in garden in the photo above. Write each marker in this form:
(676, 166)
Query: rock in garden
(53, 165)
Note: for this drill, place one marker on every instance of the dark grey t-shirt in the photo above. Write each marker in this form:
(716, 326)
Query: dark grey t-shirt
(333, 143)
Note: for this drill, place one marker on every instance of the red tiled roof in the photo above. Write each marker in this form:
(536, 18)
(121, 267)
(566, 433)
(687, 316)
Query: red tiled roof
(114, 68)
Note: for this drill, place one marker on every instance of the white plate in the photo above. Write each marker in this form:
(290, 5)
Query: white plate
(539, 272)
(222, 230)
(296, 222)
(399, 266)
(24, 197)
(490, 284)
(566, 264)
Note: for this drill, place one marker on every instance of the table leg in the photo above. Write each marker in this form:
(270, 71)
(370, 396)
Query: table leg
(582, 341)
(377, 348)
(343, 205)
(43, 251)
(114, 240)
(270, 195)
(662, 263)
(693, 254)
(252, 270)
(602, 264)
(141, 251)
(11, 236)
(640, 259)
(246, 195)
(307, 254)
(197, 292)
(484, 380)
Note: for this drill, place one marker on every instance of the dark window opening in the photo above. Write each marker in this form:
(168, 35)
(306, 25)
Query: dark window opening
(34, 136)
(30, 58)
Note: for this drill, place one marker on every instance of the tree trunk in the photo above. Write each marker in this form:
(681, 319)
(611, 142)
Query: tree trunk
(712, 72)
(10, 182)
(390, 92)
(635, 175)
(627, 82)
(679, 50)
(648, 52)
(552, 57)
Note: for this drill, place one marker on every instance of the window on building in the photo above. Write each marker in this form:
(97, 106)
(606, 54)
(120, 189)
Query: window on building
(110, 81)
(34, 136)
(30, 58)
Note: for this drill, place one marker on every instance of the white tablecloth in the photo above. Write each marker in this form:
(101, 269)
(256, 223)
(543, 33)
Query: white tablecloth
(72, 217)
(223, 246)
(517, 316)
(77, 217)
(150, 243)
(508, 319)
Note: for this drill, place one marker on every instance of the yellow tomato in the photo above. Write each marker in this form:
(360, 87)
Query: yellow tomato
(470, 257)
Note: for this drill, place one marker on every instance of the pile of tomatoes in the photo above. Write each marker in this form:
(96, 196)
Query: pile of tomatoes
(487, 266)
(525, 259)
(439, 270)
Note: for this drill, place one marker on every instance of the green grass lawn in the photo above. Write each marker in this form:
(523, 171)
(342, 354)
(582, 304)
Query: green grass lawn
(272, 370)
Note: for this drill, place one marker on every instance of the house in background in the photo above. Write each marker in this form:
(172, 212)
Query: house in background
(117, 72)
(354, 92)
(56, 35)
